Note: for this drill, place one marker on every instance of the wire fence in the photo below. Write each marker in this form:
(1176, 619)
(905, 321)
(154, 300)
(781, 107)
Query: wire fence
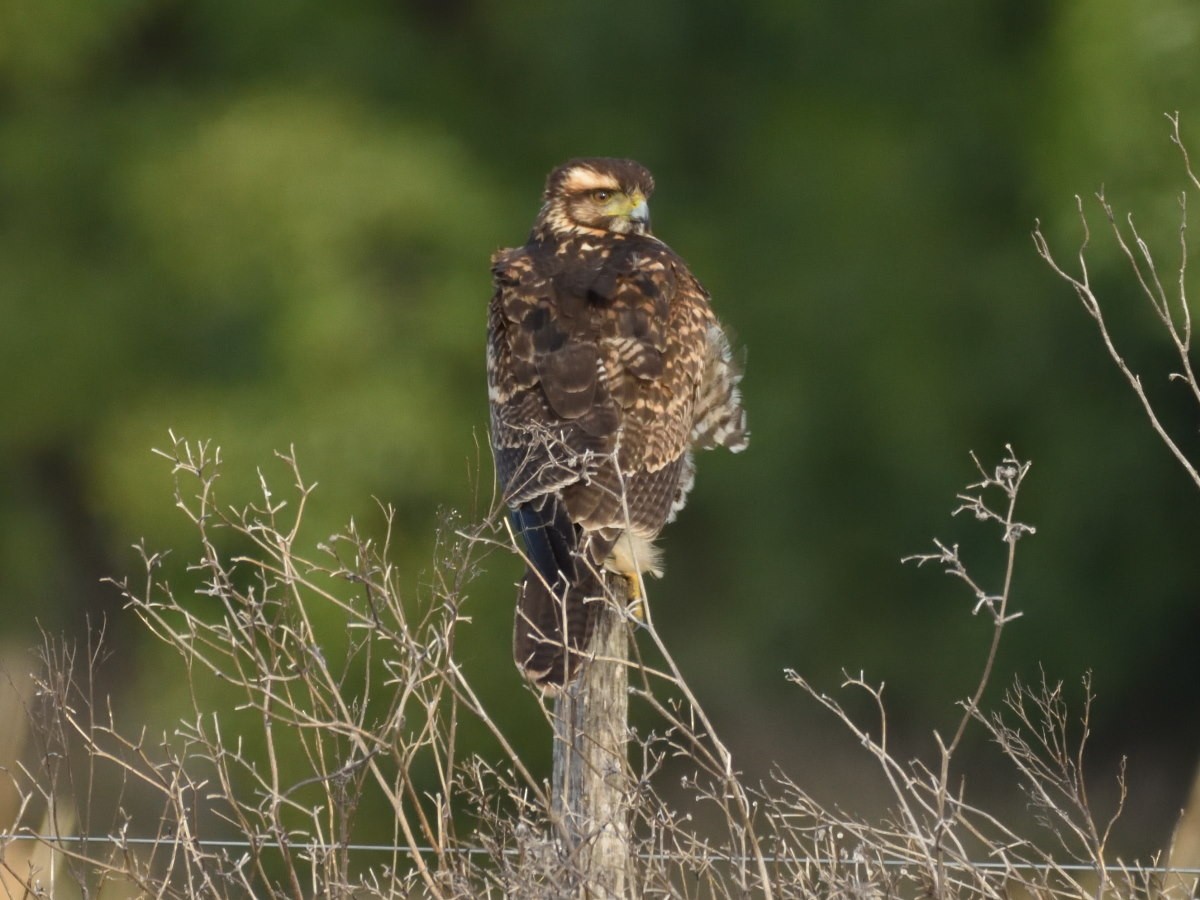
(392, 849)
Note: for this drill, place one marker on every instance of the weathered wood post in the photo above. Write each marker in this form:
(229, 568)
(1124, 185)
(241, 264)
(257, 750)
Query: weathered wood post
(591, 781)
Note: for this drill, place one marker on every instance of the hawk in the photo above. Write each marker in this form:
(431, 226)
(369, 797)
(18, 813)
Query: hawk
(606, 369)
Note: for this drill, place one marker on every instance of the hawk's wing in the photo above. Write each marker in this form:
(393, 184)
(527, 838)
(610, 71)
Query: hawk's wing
(603, 359)
(594, 368)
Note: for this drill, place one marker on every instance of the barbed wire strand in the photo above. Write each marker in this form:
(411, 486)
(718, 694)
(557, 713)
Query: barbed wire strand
(242, 844)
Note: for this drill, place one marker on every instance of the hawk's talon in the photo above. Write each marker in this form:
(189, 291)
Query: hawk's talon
(636, 606)
(637, 610)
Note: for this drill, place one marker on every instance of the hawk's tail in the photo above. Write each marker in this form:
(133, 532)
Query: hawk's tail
(558, 599)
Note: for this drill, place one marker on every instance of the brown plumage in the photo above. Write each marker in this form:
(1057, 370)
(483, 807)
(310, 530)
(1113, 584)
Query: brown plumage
(606, 368)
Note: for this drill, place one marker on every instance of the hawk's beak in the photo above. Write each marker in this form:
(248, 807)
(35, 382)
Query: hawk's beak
(641, 213)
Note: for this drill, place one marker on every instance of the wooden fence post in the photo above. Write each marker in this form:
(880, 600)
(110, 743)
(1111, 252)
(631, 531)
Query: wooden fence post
(591, 780)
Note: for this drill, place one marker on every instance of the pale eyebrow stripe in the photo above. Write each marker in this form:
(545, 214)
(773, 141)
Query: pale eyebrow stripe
(582, 179)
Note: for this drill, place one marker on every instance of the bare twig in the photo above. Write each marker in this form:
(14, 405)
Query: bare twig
(322, 648)
(1175, 317)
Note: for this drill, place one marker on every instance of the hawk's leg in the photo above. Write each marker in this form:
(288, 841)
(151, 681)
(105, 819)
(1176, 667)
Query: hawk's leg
(637, 598)
(633, 556)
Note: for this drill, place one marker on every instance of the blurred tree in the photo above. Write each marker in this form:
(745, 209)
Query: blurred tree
(270, 225)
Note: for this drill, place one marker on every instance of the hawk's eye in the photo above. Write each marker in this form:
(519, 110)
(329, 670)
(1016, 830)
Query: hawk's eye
(602, 195)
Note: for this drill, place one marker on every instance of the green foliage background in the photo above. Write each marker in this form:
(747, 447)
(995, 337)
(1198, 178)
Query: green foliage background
(269, 224)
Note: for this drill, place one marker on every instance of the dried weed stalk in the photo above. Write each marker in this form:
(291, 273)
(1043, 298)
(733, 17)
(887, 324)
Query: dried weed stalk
(316, 694)
(320, 753)
(1171, 307)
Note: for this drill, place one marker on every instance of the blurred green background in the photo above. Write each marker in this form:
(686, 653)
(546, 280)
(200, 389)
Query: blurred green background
(269, 224)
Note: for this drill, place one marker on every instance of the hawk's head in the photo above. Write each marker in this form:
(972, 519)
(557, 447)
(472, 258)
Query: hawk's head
(596, 196)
